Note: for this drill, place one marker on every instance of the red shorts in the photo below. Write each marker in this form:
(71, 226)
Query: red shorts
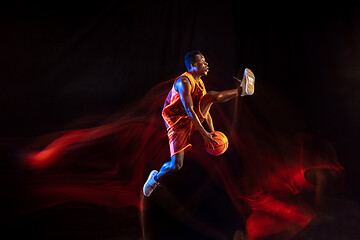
(180, 135)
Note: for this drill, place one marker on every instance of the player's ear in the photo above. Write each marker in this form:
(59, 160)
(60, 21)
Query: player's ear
(193, 64)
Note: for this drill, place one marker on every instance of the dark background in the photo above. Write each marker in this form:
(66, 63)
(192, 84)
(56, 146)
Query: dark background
(71, 64)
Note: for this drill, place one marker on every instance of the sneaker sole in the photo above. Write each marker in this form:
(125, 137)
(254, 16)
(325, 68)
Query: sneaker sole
(148, 193)
(249, 82)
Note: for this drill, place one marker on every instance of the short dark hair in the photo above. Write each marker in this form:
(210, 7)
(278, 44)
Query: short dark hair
(190, 57)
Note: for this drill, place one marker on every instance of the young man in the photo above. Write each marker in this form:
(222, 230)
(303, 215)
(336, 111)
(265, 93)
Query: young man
(185, 110)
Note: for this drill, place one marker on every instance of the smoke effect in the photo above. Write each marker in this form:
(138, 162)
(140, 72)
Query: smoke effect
(276, 183)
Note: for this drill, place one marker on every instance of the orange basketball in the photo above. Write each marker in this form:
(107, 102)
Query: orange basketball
(221, 146)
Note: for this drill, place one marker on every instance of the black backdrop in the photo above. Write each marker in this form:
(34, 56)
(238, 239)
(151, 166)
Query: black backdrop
(71, 64)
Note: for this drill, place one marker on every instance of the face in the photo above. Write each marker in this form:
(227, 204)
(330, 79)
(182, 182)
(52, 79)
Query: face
(200, 65)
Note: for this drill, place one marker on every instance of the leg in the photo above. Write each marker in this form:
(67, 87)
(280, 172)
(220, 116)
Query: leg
(168, 168)
(216, 97)
(173, 165)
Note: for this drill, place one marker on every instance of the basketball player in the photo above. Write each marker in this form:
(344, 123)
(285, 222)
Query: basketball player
(185, 110)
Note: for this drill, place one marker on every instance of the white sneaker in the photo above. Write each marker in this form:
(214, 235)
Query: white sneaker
(150, 183)
(248, 83)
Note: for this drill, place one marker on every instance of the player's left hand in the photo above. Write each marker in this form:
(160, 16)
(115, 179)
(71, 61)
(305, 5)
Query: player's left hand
(209, 141)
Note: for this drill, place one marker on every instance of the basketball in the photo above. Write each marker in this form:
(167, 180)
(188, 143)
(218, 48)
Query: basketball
(221, 146)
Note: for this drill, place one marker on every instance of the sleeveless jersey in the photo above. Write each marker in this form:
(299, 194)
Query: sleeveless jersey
(174, 110)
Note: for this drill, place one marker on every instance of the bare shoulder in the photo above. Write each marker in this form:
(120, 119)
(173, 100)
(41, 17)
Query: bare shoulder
(183, 83)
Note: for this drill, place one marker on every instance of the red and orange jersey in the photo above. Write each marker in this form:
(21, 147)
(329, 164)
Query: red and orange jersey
(174, 110)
